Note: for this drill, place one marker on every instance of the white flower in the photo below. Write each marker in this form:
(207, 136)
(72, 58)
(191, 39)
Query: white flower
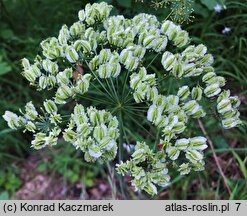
(226, 30)
(50, 106)
(194, 156)
(128, 147)
(198, 143)
(183, 92)
(184, 169)
(218, 8)
(71, 55)
(168, 60)
(94, 151)
(173, 153)
(182, 144)
(212, 90)
(11, 118)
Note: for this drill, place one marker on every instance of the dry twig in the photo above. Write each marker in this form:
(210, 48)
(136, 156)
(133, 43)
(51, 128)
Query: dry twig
(214, 155)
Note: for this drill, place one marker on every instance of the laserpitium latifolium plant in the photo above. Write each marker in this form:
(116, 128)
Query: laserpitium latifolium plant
(96, 51)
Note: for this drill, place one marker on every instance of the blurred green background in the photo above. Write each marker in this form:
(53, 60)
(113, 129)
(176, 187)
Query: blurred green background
(61, 173)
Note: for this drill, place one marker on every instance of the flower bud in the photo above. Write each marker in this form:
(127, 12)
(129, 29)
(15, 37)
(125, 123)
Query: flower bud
(200, 50)
(39, 141)
(124, 55)
(231, 122)
(104, 56)
(196, 93)
(206, 60)
(182, 144)
(77, 29)
(30, 126)
(224, 106)
(177, 70)
(50, 106)
(154, 113)
(94, 151)
(190, 107)
(198, 143)
(62, 78)
(81, 15)
(184, 169)
(149, 41)
(168, 60)
(25, 63)
(104, 71)
(198, 113)
(63, 92)
(212, 90)
(194, 156)
(150, 189)
(223, 95)
(94, 63)
(85, 45)
(173, 153)
(31, 113)
(183, 92)
(100, 132)
(189, 70)
(71, 55)
(11, 119)
(43, 82)
(139, 51)
(131, 63)
(235, 101)
(208, 76)
(181, 39)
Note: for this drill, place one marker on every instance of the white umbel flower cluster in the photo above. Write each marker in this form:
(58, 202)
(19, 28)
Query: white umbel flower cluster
(45, 127)
(94, 132)
(146, 178)
(106, 47)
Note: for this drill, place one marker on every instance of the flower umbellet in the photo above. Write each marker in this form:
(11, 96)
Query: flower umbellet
(109, 46)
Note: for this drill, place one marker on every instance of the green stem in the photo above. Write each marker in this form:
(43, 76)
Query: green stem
(120, 151)
(152, 60)
(114, 89)
(125, 82)
(138, 123)
(156, 139)
(111, 181)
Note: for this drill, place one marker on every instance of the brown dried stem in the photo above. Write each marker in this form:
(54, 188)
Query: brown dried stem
(214, 155)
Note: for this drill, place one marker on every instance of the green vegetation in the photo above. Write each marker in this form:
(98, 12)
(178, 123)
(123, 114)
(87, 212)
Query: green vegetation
(25, 23)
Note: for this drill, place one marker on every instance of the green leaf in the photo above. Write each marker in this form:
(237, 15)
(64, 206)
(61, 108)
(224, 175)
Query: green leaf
(71, 176)
(210, 3)
(199, 9)
(125, 3)
(42, 167)
(6, 34)
(4, 195)
(107, 1)
(241, 164)
(220, 142)
(4, 68)
(13, 182)
(89, 182)
(6, 131)
(234, 193)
